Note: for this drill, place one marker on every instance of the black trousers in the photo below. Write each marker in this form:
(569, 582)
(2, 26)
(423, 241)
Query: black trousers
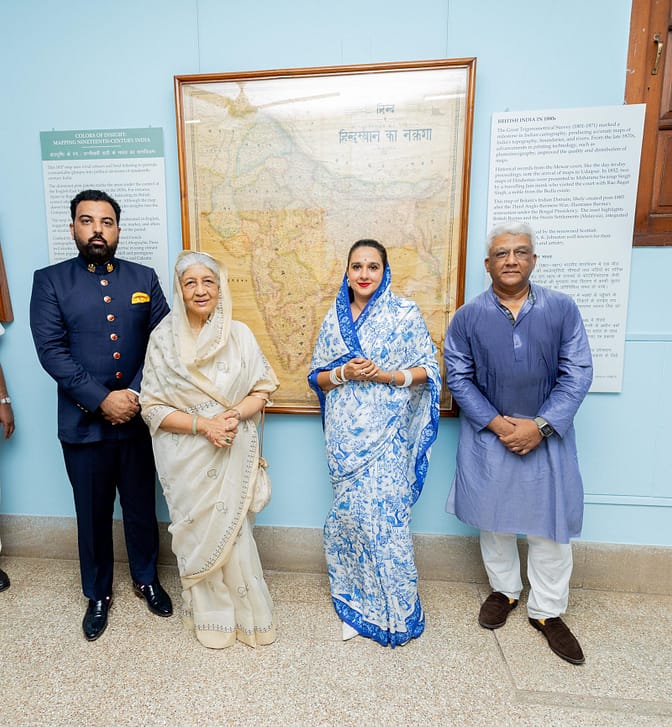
(96, 471)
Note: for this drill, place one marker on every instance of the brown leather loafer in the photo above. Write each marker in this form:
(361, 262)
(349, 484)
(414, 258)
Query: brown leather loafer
(495, 610)
(561, 640)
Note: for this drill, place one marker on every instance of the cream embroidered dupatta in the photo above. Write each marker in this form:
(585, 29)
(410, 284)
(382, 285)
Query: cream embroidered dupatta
(208, 490)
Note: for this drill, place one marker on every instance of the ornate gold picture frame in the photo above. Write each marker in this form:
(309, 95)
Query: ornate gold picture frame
(282, 170)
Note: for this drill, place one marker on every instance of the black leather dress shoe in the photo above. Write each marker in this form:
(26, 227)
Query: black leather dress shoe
(95, 618)
(158, 601)
(4, 580)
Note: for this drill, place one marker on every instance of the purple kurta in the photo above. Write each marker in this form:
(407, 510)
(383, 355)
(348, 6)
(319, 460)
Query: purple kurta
(538, 366)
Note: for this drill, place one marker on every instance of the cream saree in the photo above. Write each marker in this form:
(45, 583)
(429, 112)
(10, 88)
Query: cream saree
(208, 490)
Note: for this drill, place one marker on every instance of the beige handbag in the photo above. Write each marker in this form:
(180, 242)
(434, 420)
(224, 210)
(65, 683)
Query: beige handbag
(261, 495)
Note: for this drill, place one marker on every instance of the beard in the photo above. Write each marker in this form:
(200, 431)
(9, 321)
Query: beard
(97, 249)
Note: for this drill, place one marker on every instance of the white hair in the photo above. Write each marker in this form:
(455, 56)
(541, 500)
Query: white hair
(510, 228)
(196, 258)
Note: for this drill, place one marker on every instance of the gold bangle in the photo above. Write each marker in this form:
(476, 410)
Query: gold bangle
(194, 422)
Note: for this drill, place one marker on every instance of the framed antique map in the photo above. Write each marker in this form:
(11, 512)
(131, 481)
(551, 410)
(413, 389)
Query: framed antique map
(282, 170)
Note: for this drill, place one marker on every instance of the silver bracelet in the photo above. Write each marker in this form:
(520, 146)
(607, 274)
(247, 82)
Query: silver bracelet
(408, 378)
(333, 377)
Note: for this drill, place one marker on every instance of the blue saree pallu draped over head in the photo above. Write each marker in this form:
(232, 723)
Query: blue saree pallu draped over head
(378, 440)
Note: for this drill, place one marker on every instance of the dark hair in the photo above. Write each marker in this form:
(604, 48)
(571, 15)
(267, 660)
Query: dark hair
(94, 195)
(369, 243)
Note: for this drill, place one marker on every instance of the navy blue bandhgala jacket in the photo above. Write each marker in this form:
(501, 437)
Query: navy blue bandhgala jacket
(91, 330)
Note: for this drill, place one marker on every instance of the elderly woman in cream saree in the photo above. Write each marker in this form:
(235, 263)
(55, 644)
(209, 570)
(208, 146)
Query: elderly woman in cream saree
(205, 383)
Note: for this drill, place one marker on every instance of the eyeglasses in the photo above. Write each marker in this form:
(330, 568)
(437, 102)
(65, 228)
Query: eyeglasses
(520, 253)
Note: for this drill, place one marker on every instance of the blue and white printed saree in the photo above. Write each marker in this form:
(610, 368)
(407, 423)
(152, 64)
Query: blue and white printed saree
(378, 439)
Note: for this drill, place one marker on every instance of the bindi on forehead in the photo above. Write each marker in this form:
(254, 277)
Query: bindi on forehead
(366, 256)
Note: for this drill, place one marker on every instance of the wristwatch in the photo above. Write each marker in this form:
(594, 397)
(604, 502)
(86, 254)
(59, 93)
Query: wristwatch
(545, 429)
(5, 400)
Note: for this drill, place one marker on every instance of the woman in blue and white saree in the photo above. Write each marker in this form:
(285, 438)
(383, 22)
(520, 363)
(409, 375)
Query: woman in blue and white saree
(375, 373)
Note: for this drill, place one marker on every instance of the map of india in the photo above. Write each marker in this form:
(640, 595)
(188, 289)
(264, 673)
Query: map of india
(284, 176)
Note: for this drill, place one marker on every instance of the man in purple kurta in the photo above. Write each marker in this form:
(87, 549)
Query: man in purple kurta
(519, 365)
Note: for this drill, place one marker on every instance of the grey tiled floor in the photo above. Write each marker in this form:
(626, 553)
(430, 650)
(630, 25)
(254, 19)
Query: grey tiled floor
(148, 671)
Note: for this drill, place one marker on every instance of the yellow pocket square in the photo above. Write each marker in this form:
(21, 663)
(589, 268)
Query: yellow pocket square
(139, 298)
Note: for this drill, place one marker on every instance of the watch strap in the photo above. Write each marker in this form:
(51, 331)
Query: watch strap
(545, 428)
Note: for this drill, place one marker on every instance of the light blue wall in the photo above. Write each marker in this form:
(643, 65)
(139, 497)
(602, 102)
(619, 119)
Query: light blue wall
(79, 65)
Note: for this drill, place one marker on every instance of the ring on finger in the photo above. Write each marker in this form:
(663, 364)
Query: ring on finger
(228, 440)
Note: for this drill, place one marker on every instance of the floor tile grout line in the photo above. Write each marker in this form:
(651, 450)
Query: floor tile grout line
(615, 705)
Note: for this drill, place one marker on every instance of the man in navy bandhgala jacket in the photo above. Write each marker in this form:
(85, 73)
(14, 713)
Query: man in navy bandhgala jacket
(91, 317)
